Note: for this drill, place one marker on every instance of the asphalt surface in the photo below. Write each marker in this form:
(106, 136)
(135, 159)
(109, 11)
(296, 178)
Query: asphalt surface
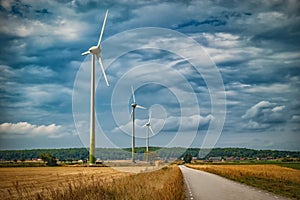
(202, 185)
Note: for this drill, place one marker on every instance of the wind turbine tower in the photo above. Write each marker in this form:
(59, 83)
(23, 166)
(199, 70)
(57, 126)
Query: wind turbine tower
(133, 105)
(95, 51)
(148, 126)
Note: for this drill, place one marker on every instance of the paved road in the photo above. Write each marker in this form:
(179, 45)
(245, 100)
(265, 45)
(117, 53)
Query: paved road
(206, 186)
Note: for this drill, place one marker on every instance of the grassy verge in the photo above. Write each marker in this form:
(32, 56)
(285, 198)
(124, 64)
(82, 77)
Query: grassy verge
(293, 165)
(273, 178)
(166, 183)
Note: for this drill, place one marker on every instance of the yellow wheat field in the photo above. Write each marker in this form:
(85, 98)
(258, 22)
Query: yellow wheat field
(36, 179)
(277, 179)
(263, 171)
(68, 183)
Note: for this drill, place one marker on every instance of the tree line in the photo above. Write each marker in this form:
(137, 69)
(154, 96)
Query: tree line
(71, 154)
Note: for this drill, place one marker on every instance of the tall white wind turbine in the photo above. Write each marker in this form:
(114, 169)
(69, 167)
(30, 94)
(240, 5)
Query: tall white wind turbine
(148, 127)
(134, 105)
(95, 51)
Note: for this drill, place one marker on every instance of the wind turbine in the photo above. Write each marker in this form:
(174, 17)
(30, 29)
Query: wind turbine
(134, 105)
(148, 126)
(95, 51)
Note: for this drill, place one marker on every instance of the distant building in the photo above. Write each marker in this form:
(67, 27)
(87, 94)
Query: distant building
(99, 162)
(231, 158)
(217, 158)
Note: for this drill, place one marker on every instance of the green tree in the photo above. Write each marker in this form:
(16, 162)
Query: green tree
(187, 158)
(49, 159)
(43, 156)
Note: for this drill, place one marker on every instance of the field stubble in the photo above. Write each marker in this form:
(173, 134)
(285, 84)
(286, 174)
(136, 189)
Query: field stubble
(26, 182)
(90, 183)
(280, 180)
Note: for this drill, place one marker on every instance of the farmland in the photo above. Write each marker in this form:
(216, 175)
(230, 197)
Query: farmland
(277, 179)
(79, 182)
(28, 181)
(89, 183)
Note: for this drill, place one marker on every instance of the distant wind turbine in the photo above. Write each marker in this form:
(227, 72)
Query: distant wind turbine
(148, 127)
(95, 51)
(134, 105)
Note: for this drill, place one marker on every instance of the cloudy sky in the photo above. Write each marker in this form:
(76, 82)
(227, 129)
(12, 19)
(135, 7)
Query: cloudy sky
(213, 73)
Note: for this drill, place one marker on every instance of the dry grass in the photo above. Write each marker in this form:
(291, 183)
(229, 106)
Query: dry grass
(276, 179)
(16, 182)
(91, 183)
(166, 183)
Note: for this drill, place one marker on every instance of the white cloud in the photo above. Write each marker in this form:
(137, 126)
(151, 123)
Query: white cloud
(256, 109)
(295, 118)
(278, 108)
(28, 71)
(255, 125)
(267, 19)
(171, 123)
(25, 129)
(223, 40)
(31, 93)
(46, 93)
(263, 115)
(227, 47)
(270, 88)
(238, 85)
(63, 25)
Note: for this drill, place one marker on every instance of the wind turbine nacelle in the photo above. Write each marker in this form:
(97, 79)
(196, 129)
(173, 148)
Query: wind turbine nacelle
(95, 50)
(134, 105)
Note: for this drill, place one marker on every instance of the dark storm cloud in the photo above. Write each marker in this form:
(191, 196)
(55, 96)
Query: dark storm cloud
(43, 11)
(220, 20)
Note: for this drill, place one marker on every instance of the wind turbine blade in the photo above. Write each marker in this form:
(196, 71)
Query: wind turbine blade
(151, 130)
(102, 30)
(131, 114)
(149, 117)
(133, 94)
(102, 68)
(85, 53)
(138, 106)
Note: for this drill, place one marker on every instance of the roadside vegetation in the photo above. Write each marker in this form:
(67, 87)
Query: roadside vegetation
(290, 164)
(277, 179)
(293, 165)
(166, 183)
